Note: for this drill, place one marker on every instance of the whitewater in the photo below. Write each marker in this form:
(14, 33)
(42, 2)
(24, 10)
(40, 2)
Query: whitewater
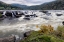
(18, 26)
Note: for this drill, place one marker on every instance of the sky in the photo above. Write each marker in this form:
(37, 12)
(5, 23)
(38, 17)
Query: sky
(27, 2)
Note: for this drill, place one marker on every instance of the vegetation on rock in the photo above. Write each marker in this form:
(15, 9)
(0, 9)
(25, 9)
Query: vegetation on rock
(46, 34)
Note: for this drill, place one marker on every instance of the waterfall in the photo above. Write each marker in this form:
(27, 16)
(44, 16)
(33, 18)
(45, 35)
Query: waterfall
(13, 15)
(4, 13)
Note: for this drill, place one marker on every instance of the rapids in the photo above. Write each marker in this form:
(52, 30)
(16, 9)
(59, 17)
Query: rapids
(17, 26)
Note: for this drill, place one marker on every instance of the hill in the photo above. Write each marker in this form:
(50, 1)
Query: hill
(4, 6)
(21, 6)
(54, 5)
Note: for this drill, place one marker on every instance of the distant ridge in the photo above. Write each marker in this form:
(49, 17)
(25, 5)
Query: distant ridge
(4, 6)
(54, 5)
(21, 6)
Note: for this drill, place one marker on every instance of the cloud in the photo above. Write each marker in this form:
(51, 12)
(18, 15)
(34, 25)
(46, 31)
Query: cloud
(26, 2)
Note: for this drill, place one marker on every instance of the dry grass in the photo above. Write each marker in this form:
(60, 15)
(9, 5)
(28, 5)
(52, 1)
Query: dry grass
(46, 28)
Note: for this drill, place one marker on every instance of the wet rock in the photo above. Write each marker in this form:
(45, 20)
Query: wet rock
(13, 14)
(58, 14)
(8, 39)
(26, 18)
(2, 17)
(8, 14)
(26, 34)
(27, 15)
(48, 14)
(1, 12)
(17, 15)
(33, 15)
(44, 11)
(63, 22)
(22, 13)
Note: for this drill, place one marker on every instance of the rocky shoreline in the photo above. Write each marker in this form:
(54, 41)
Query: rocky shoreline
(16, 14)
(13, 38)
(8, 39)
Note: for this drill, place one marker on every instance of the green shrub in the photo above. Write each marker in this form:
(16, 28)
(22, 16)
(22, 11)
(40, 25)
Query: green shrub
(60, 28)
(42, 36)
(38, 37)
(60, 31)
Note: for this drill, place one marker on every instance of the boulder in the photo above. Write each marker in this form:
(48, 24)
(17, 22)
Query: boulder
(26, 34)
(27, 15)
(44, 11)
(26, 18)
(48, 14)
(17, 15)
(2, 17)
(58, 14)
(63, 22)
(33, 15)
(22, 14)
(8, 14)
(1, 12)
(8, 39)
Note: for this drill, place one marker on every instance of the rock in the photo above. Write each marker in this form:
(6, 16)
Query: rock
(8, 14)
(27, 15)
(48, 14)
(17, 15)
(58, 14)
(31, 15)
(63, 22)
(13, 14)
(1, 12)
(44, 11)
(2, 17)
(35, 15)
(8, 39)
(26, 18)
(22, 13)
(26, 34)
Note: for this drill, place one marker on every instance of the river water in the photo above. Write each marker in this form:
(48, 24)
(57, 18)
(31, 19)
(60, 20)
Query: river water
(17, 26)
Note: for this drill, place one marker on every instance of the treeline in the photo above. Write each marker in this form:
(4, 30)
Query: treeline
(4, 6)
(54, 5)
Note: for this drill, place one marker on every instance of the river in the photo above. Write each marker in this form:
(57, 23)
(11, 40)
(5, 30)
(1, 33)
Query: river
(17, 26)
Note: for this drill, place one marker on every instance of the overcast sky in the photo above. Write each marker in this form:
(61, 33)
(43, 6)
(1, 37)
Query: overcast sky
(26, 2)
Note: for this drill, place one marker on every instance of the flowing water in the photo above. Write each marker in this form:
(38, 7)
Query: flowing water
(17, 26)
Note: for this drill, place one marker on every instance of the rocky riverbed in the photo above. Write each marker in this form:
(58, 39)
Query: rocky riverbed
(26, 20)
